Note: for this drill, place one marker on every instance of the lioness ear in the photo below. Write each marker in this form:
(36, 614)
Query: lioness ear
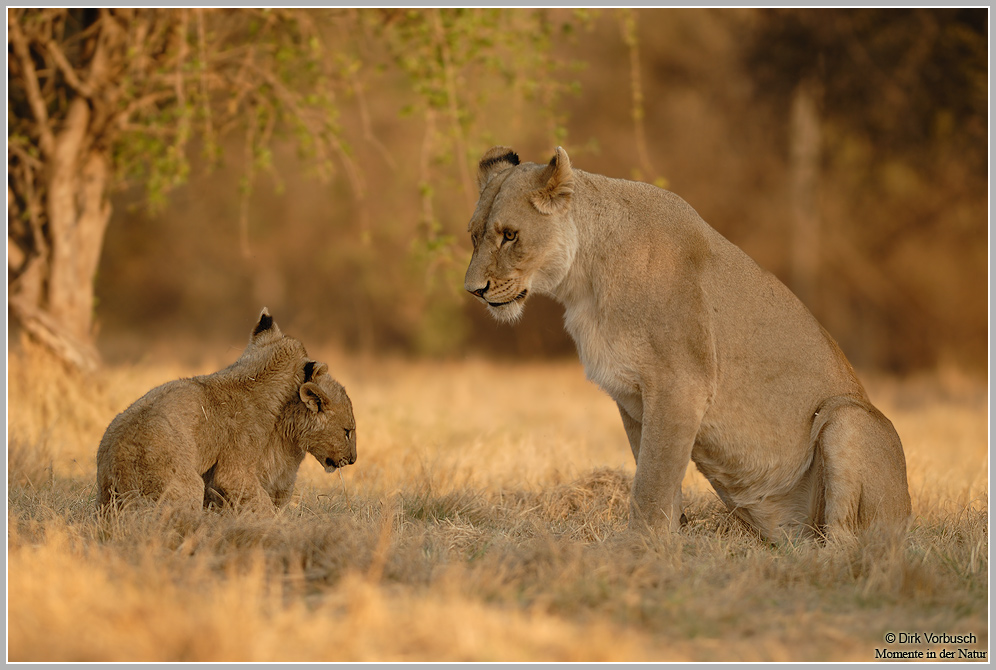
(555, 196)
(495, 160)
(266, 328)
(312, 397)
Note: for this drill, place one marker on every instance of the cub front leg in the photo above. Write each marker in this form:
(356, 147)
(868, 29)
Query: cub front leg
(242, 488)
(184, 492)
(280, 492)
(667, 434)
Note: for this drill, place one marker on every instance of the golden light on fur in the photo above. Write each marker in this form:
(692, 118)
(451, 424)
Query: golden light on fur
(236, 436)
(709, 358)
(494, 161)
(555, 196)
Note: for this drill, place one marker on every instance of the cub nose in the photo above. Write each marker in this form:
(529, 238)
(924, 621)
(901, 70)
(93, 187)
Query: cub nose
(480, 291)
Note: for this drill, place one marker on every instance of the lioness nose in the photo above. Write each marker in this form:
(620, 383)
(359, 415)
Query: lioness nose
(479, 292)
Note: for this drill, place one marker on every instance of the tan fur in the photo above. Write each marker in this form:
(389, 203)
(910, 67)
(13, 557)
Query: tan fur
(708, 357)
(237, 435)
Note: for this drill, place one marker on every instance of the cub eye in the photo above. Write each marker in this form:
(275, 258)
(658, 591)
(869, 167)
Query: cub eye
(509, 235)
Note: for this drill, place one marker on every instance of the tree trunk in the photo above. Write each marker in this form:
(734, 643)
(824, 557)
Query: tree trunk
(78, 212)
(63, 210)
(805, 139)
(57, 310)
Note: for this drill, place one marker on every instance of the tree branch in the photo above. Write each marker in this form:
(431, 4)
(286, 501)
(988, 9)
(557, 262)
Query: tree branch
(439, 32)
(145, 101)
(209, 137)
(31, 88)
(627, 23)
(181, 94)
(67, 69)
(365, 124)
(334, 143)
(23, 172)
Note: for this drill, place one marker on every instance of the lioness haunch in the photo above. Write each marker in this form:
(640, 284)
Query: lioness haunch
(237, 435)
(708, 357)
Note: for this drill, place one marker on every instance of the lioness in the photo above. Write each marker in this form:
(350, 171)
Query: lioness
(237, 435)
(708, 357)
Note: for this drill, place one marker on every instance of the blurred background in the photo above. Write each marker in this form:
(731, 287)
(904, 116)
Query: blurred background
(844, 150)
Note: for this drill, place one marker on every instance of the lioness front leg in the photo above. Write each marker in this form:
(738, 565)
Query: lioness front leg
(634, 430)
(667, 435)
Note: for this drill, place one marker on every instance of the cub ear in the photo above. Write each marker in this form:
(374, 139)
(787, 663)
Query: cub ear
(555, 196)
(313, 397)
(266, 328)
(495, 160)
(313, 369)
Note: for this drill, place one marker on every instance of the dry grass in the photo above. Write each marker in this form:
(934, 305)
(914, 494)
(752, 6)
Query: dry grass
(485, 521)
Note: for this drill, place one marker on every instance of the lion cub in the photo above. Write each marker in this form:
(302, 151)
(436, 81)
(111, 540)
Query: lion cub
(708, 357)
(237, 435)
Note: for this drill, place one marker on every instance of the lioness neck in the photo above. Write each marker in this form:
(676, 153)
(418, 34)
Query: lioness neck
(605, 230)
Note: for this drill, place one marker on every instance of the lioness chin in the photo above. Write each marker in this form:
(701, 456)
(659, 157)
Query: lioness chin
(708, 357)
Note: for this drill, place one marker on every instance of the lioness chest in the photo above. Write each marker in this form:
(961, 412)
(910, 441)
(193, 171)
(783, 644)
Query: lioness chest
(607, 357)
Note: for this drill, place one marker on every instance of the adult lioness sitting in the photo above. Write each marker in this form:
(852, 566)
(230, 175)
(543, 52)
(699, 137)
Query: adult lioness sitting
(708, 357)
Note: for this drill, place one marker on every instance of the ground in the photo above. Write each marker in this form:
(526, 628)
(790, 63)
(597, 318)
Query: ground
(484, 520)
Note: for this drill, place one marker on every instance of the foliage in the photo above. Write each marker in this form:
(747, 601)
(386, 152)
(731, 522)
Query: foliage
(192, 74)
(390, 108)
(177, 79)
(459, 63)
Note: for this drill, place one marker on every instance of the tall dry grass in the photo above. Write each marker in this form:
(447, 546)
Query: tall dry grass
(483, 521)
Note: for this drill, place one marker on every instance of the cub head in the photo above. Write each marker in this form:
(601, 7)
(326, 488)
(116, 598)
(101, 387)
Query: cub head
(326, 427)
(522, 230)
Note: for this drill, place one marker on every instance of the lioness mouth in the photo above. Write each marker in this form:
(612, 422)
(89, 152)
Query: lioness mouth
(509, 302)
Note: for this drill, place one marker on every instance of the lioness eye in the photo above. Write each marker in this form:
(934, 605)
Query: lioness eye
(509, 235)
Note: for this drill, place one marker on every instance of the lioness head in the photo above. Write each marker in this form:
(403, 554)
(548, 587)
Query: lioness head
(523, 235)
(327, 429)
